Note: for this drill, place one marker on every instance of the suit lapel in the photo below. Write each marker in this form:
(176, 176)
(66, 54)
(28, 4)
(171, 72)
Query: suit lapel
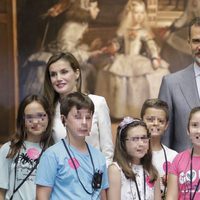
(188, 87)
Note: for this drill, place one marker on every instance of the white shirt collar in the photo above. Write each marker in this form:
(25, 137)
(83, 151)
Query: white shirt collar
(196, 69)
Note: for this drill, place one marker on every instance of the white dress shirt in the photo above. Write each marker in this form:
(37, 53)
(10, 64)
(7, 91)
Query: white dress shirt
(197, 76)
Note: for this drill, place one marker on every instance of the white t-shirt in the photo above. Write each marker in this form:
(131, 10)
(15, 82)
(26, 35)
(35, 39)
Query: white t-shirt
(158, 160)
(27, 159)
(128, 187)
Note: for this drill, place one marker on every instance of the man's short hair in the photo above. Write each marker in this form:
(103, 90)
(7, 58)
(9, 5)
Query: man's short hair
(194, 22)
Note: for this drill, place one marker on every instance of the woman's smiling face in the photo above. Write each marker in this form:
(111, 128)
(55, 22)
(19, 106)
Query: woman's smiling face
(63, 77)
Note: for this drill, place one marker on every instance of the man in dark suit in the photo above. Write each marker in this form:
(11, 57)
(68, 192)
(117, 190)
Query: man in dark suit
(181, 90)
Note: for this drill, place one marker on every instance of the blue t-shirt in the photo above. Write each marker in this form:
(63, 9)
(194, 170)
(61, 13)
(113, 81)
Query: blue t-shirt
(56, 170)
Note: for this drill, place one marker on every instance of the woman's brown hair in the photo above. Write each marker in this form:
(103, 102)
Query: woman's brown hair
(48, 89)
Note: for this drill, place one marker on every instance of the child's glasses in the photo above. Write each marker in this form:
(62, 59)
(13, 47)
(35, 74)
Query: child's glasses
(144, 139)
(38, 116)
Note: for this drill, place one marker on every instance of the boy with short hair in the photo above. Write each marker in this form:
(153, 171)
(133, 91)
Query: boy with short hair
(155, 113)
(72, 169)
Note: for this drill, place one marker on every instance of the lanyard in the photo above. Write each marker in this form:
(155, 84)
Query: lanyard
(90, 193)
(192, 196)
(30, 172)
(166, 172)
(137, 188)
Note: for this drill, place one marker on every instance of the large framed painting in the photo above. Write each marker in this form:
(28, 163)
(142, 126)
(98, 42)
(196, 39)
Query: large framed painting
(124, 47)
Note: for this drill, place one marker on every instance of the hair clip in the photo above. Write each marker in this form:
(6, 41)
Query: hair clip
(125, 122)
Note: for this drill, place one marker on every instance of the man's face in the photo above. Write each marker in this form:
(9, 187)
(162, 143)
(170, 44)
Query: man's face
(194, 42)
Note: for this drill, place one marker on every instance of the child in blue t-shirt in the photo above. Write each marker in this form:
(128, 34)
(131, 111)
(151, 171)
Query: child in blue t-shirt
(72, 169)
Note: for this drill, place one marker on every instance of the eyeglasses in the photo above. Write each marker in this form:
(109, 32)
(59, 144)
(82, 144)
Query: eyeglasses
(38, 116)
(144, 139)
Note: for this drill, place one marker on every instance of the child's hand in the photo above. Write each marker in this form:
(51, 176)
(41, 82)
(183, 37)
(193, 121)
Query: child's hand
(112, 48)
(96, 44)
(95, 53)
(132, 33)
(156, 63)
(57, 9)
(166, 35)
(53, 11)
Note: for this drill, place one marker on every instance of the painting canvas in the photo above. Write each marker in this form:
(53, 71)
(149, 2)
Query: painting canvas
(122, 60)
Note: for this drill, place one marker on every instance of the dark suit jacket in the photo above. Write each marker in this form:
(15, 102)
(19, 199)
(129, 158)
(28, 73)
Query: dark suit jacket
(179, 90)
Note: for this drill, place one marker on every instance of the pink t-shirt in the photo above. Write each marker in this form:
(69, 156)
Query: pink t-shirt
(181, 168)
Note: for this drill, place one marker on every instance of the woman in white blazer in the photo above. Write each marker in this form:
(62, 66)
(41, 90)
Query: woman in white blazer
(63, 76)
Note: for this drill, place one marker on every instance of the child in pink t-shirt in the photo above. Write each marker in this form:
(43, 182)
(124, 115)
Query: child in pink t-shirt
(184, 178)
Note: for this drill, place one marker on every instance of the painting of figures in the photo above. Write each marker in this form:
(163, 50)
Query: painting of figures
(123, 51)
